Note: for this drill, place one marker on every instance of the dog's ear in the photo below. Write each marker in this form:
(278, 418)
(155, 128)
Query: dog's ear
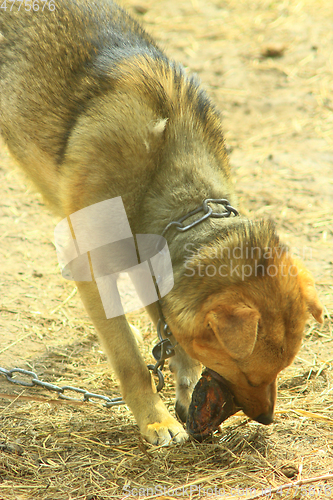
(235, 327)
(314, 305)
(309, 291)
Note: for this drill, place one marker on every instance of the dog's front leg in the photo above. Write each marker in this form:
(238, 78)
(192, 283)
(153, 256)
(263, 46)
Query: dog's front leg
(138, 389)
(187, 372)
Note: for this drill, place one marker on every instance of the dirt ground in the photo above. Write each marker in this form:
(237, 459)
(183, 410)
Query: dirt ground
(268, 65)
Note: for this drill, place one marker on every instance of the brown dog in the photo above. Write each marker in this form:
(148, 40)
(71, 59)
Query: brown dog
(92, 110)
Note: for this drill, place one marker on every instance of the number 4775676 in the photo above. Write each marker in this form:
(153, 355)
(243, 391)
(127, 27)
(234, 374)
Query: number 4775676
(33, 5)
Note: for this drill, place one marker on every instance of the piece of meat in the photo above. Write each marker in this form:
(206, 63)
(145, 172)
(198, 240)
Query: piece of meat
(212, 403)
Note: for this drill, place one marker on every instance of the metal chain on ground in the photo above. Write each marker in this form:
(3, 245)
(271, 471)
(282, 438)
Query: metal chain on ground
(35, 381)
(162, 351)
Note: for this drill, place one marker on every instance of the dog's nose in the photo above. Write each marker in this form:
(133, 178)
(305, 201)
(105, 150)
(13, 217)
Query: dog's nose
(265, 418)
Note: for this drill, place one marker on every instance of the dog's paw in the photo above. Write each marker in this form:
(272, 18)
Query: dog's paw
(166, 432)
(156, 424)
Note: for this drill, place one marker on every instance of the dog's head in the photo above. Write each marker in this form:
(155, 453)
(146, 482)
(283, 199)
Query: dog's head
(249, 335)
(251, 329)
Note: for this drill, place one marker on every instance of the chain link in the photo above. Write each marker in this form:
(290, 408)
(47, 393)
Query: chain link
(208, 212)
(35, 381)
(162, 351)
(160, 355)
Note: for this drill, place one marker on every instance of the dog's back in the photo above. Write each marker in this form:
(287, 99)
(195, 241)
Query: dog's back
(55, 61)
(71, 77)
(52, 65)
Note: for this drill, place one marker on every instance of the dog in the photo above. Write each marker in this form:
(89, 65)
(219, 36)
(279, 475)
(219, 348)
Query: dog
(92, 109)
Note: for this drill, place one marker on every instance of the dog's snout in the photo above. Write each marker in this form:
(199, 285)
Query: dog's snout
(265, 418)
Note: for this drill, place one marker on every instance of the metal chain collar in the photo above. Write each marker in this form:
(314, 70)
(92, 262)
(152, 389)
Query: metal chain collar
(166, 346)
(163, 350)
(208, 212)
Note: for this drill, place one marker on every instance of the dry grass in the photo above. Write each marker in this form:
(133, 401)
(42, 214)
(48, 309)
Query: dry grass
(278, 114)
(53, 449)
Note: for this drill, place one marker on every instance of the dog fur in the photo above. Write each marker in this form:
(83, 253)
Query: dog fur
(92, 109)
